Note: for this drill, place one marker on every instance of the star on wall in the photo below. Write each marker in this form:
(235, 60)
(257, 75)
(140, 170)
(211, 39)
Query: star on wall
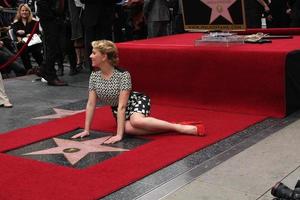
(59, 113)
(219, 8)
(75, 150)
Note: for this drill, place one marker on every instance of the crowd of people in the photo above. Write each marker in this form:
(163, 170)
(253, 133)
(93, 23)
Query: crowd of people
(76, 23)
(66, 28)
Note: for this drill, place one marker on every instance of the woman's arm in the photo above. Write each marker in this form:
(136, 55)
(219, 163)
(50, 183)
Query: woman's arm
(123, 99)
(90, 109)
(19, 33)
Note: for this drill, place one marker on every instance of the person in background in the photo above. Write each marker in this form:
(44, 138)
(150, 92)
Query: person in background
(98, 19)
(22, 27)
(254, 10)
(135, 26)
(178, 16)
(4, 101)
(157, 17)
(277, 17)
(294, 12)
(66, 45)
(119, 26)
(4, 35)
(131, 109)
(15, 66)
(51, 14)
(75, 11)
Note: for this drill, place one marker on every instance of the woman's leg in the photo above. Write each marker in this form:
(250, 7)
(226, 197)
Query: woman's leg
(141, 125)
(3, 96)
(79, 48)
(4, 101)
(129, 129)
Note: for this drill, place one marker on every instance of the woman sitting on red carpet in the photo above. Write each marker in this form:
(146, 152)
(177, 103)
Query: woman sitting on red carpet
(112, 86)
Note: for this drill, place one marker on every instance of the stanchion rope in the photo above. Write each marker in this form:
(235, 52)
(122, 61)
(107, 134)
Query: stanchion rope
(13, 58)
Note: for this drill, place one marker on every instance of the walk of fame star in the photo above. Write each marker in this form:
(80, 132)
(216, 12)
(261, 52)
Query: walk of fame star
(76, 150)
(219, 8)
(59, 113)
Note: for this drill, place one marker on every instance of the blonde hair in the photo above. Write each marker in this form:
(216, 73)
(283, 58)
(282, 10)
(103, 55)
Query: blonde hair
(109, 48)
(18, 15)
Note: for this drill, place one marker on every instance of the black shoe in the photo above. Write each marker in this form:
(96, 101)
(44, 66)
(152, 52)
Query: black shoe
(57, 82)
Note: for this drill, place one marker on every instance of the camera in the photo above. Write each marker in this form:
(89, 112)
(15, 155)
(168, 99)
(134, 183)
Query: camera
(282, 192)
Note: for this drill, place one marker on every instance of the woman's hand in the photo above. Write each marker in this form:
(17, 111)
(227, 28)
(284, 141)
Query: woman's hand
(81, 134)
(113, 139)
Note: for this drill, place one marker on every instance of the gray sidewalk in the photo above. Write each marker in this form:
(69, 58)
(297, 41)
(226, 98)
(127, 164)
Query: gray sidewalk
(251, 173)
(243, 166)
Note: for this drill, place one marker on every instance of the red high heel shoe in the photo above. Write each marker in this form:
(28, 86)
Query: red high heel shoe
(200, 130)
(199, 125)
(191, 123)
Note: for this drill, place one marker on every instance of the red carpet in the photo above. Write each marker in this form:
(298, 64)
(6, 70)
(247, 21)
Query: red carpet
(247, 78)
(228, 89)
(29, 179)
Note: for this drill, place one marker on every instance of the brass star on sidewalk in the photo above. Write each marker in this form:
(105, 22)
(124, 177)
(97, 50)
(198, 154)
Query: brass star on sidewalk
(59, 113)
(75, 150)
(219, 8)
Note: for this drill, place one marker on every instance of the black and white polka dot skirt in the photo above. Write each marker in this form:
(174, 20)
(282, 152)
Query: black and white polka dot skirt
(137, 102)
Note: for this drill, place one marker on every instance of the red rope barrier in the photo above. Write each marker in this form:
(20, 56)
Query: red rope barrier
(6, 4)
(13, 58)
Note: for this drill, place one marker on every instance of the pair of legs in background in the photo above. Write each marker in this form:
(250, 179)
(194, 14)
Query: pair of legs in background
(55, 39)
(36, 52)
(4, 101)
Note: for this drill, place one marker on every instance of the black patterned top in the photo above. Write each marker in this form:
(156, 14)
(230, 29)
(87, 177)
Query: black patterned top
(108, 91)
